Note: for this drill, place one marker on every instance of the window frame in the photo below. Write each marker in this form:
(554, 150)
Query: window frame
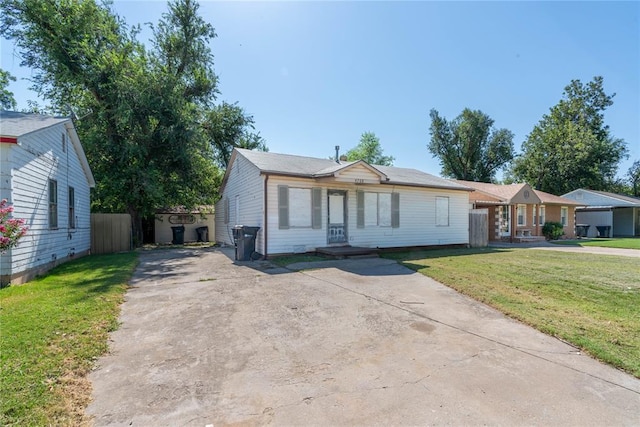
(53, 204)
(564, 219)
(439, 214)
(521, 217)
(72, 207)
(394, 210)
(284, 208)
(380, 221)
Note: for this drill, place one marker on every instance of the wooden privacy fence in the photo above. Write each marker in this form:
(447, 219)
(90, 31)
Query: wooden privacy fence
(110, 233)
(478, 228)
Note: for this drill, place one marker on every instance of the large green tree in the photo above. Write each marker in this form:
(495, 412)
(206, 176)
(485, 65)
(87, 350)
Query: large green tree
(468, 146)
(227, 126)
(571, 146)
(7, 101)
(369, 150)
(143, 110)
(633, 176)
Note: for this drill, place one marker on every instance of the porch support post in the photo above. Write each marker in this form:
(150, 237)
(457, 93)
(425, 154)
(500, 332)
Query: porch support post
(513, 223)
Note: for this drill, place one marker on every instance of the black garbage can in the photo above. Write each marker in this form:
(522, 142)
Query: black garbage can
(603, 230)
(582, 230)
(203, 234)
(178, 235)
(245, 240)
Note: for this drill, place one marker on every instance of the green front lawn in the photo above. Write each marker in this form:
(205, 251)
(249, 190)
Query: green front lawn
(52, 330)
(620, 243)
(588, 300)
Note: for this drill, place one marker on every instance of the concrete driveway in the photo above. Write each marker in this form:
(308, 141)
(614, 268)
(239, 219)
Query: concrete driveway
(204, 341)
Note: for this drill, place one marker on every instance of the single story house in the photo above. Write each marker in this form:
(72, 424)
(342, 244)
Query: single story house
(517, 212)
(607, 214)
(45, 175)
(193, 221)
(304, 203)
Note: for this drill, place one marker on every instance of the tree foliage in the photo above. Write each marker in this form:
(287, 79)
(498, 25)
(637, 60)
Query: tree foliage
(144, 112)
(369, 150)
(7, 101)
(633, 176)
(227, 126)
(571, 147)
(468, 147)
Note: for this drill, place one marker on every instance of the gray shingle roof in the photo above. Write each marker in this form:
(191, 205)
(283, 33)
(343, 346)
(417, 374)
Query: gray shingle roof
(310, 167)
(628, 200)
(17, 124)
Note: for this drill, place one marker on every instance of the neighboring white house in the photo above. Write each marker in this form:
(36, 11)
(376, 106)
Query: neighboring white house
(607, 214)
(304, 203)
(45, 175)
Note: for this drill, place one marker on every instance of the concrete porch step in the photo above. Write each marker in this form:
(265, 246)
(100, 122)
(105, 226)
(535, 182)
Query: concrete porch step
(347, 251)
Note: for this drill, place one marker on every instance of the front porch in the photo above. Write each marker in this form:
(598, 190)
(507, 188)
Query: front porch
(341, 252)
(525, 238)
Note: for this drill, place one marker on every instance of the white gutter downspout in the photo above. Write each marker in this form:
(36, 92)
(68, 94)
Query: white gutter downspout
(265, 224)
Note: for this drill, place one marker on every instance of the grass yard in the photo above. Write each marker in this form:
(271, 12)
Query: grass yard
(619, 243)
(52, 331)
(588, 300)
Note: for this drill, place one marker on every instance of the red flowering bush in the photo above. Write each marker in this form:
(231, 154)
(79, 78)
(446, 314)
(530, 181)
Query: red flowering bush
(11, 229)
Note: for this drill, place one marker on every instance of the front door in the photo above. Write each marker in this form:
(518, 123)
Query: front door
(337, 217)
(505, 221)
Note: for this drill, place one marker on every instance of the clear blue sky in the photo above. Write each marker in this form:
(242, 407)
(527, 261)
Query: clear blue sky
(319, 74)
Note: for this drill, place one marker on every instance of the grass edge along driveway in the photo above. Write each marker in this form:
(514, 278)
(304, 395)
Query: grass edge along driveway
(52, 330)
(590, 301)
(616, 242)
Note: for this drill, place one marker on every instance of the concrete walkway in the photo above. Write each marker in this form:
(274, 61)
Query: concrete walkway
(546, 246)
(206, 341)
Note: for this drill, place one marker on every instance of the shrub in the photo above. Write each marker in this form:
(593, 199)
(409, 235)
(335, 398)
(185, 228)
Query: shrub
(552, 230)
(11, 229)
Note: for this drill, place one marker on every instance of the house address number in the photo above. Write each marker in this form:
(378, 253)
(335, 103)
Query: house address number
(359, 181)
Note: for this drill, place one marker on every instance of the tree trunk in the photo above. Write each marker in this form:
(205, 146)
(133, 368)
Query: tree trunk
(136, 226)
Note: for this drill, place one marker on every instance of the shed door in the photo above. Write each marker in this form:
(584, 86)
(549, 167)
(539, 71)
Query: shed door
(337, 228)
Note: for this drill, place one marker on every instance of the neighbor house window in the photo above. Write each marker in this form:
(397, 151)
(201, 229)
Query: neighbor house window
(564, 216)
(299, 207)
(522, 215)
(442, 211)
(72, 208)
(53, 203)
(542, 214)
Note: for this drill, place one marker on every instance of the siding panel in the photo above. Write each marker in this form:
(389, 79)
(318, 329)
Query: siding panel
(245, 182)
(28, 166)
(416, 215)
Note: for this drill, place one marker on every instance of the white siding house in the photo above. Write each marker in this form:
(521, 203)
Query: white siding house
(302, 203)
(45, 175)
(607, 214)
